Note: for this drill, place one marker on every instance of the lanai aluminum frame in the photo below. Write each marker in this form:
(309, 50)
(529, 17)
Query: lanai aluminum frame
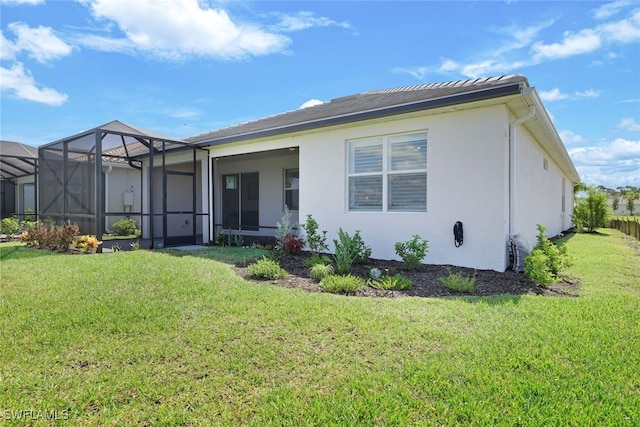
(72, 183)
(18, 162)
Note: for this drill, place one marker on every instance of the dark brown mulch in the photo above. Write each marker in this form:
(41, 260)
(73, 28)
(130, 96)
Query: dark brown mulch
(425, 280)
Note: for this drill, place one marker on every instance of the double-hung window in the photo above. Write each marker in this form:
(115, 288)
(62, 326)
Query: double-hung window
(388, 173)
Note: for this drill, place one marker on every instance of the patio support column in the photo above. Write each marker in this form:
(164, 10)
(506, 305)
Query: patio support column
(99, 200)
(164, 196)
(193, 198)
(150, 196)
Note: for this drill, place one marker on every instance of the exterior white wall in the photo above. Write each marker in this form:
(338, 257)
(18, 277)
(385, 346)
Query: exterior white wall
(538, 191)
(118, 180)
(465, 182)
(270, 166)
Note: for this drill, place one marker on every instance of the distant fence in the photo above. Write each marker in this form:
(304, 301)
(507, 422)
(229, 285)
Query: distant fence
(627, 226)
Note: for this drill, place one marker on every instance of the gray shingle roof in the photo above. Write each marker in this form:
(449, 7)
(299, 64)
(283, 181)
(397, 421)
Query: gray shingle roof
(376, 103)
(17, 159)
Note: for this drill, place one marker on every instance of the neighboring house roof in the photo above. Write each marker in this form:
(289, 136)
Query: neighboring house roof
(17, 160)
(389, 102)
(367, 105)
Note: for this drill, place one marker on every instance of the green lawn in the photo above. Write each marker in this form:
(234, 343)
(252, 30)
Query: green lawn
(171, 338)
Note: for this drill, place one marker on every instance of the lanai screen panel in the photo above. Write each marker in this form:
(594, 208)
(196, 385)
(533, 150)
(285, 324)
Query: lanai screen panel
(68, 182)
(51, 182)
(81, 183)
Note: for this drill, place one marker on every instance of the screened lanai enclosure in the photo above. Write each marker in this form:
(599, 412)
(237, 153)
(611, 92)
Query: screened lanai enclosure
(118, 171)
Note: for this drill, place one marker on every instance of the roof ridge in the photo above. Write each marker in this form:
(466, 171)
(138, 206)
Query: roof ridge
(455, 83)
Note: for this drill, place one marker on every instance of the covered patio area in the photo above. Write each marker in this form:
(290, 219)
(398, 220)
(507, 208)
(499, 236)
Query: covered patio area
(118, 171)
(18, 174)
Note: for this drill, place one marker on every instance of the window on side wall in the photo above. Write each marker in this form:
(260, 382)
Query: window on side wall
(388, 173)
(291, 189)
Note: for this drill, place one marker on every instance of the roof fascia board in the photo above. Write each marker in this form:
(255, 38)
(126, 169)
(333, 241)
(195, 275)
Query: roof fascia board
(494, 92)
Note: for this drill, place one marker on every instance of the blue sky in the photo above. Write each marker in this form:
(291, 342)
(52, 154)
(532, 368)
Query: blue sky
(183, 67)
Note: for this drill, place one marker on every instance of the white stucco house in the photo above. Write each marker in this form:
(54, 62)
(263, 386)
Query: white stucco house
(397, 162)
(390, 163)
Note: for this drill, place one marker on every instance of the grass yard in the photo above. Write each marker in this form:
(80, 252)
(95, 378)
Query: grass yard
(172, 338)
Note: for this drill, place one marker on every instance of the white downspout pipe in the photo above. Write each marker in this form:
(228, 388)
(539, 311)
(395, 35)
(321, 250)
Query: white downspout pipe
(512, 161)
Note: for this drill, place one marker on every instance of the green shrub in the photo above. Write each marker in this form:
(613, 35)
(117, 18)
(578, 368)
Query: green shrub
(546, 260)
(592, 211)
(412, 252)
(397, 282)
(51, 236)
(29, 215)
(125, 227)
(9, 226)
(319, 271)
(342, 284)
(317, 242)
(458, 282)
(349, 250)
(537, 268)
(228, 238)
(316, 259)
(266, 268)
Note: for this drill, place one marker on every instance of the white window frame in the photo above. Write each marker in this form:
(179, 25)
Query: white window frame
(386, 171)
(291, 188)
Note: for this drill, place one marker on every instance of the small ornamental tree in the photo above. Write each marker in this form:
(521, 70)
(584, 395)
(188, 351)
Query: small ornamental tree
(615, 203)
(316, 241)
(592, 211)
(631, 197)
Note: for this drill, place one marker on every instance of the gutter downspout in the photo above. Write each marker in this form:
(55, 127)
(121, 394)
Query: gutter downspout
(512, 159)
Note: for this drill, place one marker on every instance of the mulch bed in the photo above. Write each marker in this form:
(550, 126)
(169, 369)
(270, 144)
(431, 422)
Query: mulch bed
(425, 280)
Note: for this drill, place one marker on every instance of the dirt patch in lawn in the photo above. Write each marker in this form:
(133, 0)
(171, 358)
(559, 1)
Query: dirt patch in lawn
(425, 280)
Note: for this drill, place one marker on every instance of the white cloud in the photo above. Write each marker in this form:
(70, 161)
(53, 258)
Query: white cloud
(180, 29)
(311, 103)
(608, 10)
(518, 47)
(419, 73)
(305, 20)
(553, 95)
(584, 41)
(18, 81)
(448, 65)
(612, 164)
(40, 43)
(7, 49)
(569, 137)
(20, 2)
(589, 93)
(590, 39)
(623, 31)
(629, 124)
(556, 95)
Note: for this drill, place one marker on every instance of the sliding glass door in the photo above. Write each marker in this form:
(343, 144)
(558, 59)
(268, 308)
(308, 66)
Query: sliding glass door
(240, 201)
